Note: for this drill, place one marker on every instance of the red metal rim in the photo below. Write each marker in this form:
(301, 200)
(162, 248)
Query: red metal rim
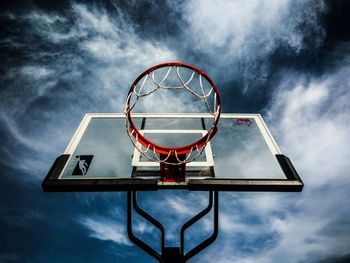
(180, 149)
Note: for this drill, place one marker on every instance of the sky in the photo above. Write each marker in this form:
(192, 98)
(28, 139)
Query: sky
(287, 60)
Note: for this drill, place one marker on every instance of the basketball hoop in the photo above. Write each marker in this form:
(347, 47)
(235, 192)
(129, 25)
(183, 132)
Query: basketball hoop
(172, 159)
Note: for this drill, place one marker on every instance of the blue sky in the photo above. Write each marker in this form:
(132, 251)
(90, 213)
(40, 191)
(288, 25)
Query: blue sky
(288, 60)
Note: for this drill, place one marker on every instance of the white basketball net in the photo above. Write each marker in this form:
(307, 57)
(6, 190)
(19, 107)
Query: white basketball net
(139, 92)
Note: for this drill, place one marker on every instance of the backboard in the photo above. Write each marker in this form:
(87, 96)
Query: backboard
(243, 156)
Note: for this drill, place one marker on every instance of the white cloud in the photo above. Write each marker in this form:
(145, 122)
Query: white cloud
(312, 124)
(178, 205)
(142, 227)
(102, 48)
(92, 59)
(113, 41)
(106, 230)
(310, 120)
(239, 36)
(45, 19)
(304, 100)
(242, 26)
(95, 21)
(36, 72)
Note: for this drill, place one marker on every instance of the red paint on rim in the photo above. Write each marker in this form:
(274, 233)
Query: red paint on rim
(180, 149)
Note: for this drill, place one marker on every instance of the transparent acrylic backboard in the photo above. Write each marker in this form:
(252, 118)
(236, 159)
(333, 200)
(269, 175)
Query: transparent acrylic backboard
(242, 156)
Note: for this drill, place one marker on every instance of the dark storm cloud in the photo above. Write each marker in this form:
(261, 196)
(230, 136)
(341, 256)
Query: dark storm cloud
(246, 44)
(60, 66)
(337, 259)
(288, 59)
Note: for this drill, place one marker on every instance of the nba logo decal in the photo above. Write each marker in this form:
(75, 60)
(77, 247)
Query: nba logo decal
(83, 164)
(244, 122)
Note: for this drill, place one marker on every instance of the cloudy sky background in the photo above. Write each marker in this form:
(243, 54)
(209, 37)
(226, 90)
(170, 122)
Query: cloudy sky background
(288, 60)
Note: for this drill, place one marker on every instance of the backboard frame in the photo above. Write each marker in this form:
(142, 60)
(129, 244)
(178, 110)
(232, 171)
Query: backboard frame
(53, 182)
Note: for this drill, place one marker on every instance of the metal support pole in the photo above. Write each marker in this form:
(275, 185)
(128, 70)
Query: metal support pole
(150, 219)
(204, 244)
(136, 240)
(173, 254)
